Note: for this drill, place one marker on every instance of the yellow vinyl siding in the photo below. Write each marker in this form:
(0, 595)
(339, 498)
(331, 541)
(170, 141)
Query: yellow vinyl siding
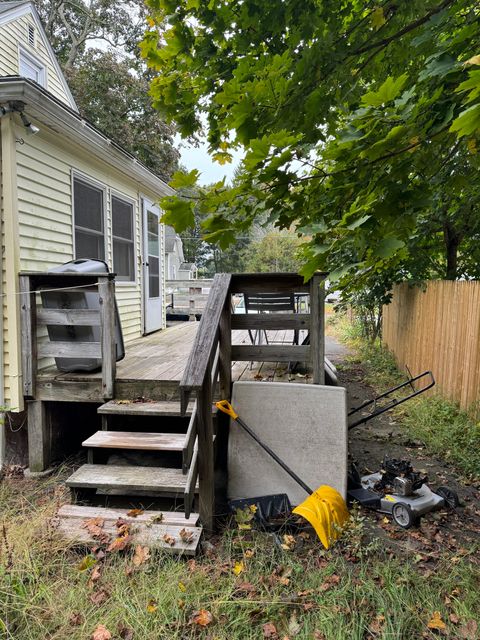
(46, 218)
(14, 33)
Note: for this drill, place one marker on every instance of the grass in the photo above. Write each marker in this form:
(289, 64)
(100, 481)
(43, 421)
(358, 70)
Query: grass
(445, 430)
(354, 591)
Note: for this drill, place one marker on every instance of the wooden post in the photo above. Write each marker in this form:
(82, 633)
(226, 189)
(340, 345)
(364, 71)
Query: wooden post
(38, 436)
(225, 352)
(106, 290)
(317, 329)
(28, 316)
(205, 454)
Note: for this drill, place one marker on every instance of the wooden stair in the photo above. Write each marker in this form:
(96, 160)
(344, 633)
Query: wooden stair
(177, 478)
(161, 529)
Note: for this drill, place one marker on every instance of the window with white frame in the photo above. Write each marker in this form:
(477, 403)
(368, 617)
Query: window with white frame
(123, 239)
(89, 215)
(32, 68)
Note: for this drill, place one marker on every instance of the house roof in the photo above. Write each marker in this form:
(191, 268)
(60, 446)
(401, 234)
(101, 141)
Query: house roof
(11, 10)
(48, 111)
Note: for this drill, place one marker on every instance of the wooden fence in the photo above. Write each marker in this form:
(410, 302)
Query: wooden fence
(438, 328)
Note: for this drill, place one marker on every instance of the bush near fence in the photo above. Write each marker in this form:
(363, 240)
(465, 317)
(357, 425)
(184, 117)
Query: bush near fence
(437, 327)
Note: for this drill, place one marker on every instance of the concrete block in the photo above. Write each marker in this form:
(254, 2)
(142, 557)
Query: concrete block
(304, 424)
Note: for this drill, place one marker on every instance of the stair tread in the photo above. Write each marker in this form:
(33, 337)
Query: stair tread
(183, 539)
(163, 408)
(132, 440)
(118, 477)
(173, 518)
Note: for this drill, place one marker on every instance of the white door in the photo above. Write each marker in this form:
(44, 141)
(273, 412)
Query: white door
(152, 267)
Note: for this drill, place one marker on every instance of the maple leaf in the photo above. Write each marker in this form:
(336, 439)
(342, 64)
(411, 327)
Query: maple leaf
(133, 513)
(142, 554)
(99, 597)
(169, 539)
(76, 619)
(186, 536)
(288, 542)
(238, 568)
(436, 622)
(270, 630)
(202, 617)
(95, 575)
(119, 543)
(101, 633)
(94, 527)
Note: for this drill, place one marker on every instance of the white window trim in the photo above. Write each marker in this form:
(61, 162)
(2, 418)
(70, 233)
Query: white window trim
(120, 196)
(98, 185)
(32, 59)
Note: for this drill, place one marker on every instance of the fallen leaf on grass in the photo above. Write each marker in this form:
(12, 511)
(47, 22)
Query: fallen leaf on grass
(133, 513)
(288, 542)
(436, 622)
(469, 630)
(101, 633)
(125, 633)
(99, 597)
(86, 563)
(318, 635)
(169, 539)
(182, 587)
(249, 553)
(294, 627)
(94, 526)
(238, 568)
(186, 536)
(453, 618)
(376, 626)
(157, 519)
(202, 617)
(76, 619)
(270, 631)
(142, 554)
(330, 582)
(245, 588)
(152, 606)
(95, 575)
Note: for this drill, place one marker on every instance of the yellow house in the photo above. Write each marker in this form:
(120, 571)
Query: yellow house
(67, 192)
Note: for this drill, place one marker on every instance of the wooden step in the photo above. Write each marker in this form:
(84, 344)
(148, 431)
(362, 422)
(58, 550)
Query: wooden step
(174, 533)
(171, 518)
(138, 441)
(123, 480)
(126, 408)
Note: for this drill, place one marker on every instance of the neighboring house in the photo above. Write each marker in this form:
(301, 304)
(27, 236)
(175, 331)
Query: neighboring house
(175, 266)
(67, 192)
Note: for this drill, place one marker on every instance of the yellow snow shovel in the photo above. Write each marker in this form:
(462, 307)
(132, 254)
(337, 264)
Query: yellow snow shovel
(325, 509)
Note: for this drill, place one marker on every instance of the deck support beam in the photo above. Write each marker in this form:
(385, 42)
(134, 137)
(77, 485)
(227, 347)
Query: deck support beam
(317, 328)
(205, 455)
(39, 436)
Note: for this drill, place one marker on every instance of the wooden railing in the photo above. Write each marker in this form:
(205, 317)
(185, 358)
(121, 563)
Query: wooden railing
(210, 361)
(32, 317)
(187, 296)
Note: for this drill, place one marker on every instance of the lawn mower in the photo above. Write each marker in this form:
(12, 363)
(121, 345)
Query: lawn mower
(396, 489)
(400, 491)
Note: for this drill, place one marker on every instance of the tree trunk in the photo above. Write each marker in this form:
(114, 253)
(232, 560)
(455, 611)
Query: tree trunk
(452, 241)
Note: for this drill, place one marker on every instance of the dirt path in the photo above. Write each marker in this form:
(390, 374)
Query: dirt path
(384, 435)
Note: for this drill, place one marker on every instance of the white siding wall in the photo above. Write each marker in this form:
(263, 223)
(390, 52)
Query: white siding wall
(14, 33)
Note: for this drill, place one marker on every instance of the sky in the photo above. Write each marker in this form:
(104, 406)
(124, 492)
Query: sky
(198, 158)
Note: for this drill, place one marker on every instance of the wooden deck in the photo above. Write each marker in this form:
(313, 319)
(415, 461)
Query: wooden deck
(153, 367)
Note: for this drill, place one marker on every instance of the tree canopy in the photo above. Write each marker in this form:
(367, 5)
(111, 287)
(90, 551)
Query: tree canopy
(110, 84)
(360, 123)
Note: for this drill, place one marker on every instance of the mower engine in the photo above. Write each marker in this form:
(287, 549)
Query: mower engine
(398, 477)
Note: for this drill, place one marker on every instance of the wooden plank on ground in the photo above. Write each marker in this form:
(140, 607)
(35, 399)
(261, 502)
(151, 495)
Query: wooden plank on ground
(155, 535)
(136, 440)
(105, 477)
(107, 513)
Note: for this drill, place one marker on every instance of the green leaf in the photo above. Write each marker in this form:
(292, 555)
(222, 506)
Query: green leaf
(438, 66)
(178, 213)
(387, 247)
(377, 18)
(467, 122)
(358, 223)
(387, 92)
(472, 83)
(181, 179)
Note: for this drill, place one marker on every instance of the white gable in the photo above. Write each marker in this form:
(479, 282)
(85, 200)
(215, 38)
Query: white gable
(25, 50)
